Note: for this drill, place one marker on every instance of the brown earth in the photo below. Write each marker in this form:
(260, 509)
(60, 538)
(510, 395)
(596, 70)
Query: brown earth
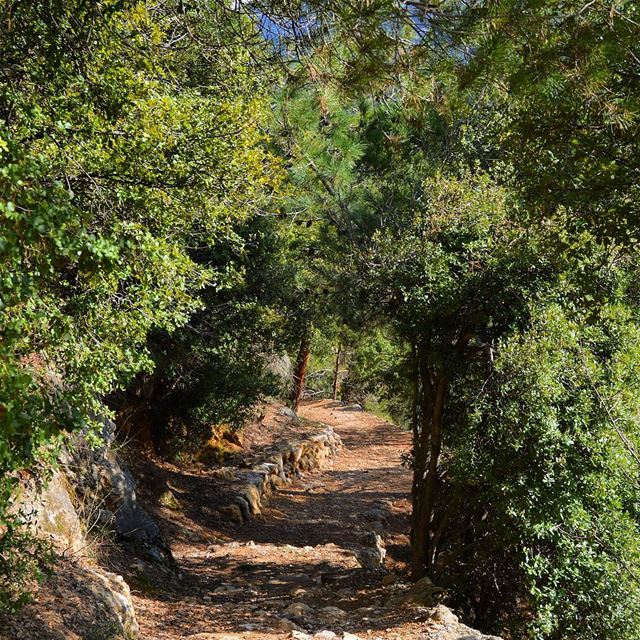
(235, 581)
(301, 549)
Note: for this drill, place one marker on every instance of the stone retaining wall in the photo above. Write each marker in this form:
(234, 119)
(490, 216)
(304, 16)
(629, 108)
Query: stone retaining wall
(281, 463)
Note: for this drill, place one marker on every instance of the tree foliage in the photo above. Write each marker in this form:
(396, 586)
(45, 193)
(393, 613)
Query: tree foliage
(123, 145)
(446, 190)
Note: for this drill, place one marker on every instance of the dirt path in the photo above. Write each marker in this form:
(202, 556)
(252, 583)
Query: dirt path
(236, 581)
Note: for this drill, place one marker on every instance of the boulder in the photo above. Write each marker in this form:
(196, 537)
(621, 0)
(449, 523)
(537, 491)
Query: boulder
(50, 510)
(102, 482)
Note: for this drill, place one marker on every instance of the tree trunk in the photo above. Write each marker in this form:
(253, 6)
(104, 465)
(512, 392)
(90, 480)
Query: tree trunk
(336, 372)
(427, 446)
(300, 372)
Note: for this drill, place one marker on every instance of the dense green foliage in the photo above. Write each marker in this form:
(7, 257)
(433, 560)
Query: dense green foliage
(123, 146)
(439, 201)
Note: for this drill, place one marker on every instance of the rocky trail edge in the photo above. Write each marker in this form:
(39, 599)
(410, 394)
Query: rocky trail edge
(325, 558)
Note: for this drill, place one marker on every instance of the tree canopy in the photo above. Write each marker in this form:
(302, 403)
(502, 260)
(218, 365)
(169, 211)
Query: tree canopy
(442, 197)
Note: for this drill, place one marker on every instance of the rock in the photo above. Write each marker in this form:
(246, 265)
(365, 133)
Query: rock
(350, 636)
(377, 527)
(287, 412)
(299, 610)
(444, 615)
(243, 505)
(252, 495)
(325, 635)
(224, 473)
(376, 514)
(51, 511)
(284, 624)
(168, 499)
(371, 559)
(113, 592)
(227, 588)
(423, 593)
(99, 478)
(332, 614)
(299, 635)
(389, 579)
(233, 512)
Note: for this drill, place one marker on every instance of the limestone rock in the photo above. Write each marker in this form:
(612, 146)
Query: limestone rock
(113, 593)
(332, 614)
(369, 558)
(252, 495)
(287, 412)
(101, 481)
(52, 512)
(224, 473)
(284, 624)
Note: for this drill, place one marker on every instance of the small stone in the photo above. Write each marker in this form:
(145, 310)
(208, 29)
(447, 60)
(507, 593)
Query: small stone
(284, 624)
(226, 588)
(423, 592)
(168, 499)
(288, 413)
(389, 579)
(332, 614)
(298, 610)
(370, 558)
(299, 635)
(444, 615)
(325, 635)
(233, 512)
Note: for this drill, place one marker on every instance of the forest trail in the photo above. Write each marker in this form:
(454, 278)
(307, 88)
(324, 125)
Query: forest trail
(238, 583)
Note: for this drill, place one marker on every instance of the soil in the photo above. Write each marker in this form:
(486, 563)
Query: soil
(235, 581)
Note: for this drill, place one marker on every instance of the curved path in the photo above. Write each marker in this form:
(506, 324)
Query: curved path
(237, 581)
